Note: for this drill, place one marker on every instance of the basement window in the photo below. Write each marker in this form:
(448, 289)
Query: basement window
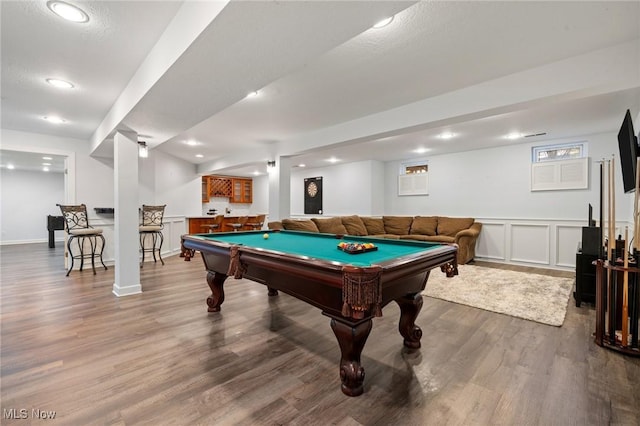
(568, 151)
(560, 167)
(413, 178)
(413, 168)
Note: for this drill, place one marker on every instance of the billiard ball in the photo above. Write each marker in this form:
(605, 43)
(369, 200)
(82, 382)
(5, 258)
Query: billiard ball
(265, 236)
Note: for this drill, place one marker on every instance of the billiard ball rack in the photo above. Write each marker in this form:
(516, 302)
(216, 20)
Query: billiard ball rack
(355, 248)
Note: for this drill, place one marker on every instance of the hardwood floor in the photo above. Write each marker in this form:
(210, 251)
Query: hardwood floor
(70, 346)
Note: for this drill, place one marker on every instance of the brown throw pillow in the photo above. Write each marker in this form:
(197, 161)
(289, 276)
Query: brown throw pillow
(299, 225)
(424, 225)
(354, 225)
(374, 225)
(330, 226)
(452, 225)
(398, 225)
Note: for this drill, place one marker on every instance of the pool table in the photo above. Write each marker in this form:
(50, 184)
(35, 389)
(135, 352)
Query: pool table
(349, 288)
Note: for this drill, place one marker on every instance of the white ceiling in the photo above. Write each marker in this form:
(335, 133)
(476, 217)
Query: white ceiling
(320, 69)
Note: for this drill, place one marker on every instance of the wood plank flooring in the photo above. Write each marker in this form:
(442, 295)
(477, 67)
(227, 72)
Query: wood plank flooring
(69, 345)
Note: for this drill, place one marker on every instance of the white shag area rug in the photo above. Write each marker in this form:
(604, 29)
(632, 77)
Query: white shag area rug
(533, 297)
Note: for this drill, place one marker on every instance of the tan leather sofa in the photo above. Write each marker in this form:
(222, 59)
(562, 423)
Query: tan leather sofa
(441, 229)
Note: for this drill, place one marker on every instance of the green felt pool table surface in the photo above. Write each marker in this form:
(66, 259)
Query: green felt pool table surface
(322, 246)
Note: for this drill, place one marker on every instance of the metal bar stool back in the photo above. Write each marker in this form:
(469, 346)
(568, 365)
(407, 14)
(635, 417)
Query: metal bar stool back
(78, 229)
(151, 226)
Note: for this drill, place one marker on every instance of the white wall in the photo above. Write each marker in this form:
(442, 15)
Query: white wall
(174, 183)
(260, 203)
(495, 183)
(27, 198)
(353, 188)
(93, 177)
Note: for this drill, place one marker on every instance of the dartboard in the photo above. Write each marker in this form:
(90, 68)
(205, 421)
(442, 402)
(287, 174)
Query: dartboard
(312, 189)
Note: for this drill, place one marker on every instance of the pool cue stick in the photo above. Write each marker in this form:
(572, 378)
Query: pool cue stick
(613, 205)
(613, 212)
(636, 231)
(633, 292)
(611, 260)
(625, 291)
(634, 302)
(611, 234)
(601, 283)
(602, 189)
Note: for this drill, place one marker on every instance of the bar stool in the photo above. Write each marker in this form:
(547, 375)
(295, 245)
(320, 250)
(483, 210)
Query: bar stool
(217, 222)
(236, 226)
(152, 226)
(257, 222)
(78, 229)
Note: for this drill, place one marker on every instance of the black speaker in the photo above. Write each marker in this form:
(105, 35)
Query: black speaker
(591, 240)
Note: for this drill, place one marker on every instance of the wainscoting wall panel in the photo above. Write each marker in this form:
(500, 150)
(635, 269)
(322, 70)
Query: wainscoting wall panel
(491, 244)
(541, 243)
(567, 237)
(529, 243)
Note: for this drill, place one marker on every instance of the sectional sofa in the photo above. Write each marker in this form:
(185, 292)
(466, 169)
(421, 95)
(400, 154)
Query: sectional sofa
(462, 231)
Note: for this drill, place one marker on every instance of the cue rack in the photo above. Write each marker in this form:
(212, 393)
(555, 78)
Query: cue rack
(618, 273)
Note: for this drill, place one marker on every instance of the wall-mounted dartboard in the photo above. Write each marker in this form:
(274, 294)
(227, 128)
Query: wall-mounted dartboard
(313, 195)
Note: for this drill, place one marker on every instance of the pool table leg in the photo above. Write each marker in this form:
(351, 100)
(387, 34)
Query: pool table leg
(351, 339)
(410, 306)
(215, 281)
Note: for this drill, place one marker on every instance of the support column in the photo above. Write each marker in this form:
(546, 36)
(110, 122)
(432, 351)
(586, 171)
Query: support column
(126, 241)
(280, 189)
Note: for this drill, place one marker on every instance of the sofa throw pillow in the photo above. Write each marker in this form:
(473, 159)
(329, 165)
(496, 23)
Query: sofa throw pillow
(330, 226)
(424, 225)
(299, 225)
(452, 225)
(354, 225)
(398, 225)
(374, 225)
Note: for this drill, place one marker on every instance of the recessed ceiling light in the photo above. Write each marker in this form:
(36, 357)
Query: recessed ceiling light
(191, 143)
(446, 135)
(10, 166)
(384, 22)
(256, 173)
(514, 135)
(333, 160)
(252, 94)
(302, 165)
(55, 120)
(60, 84)
(421, 150)
(199, 156)
(46, 164)
(68, 11)
(47, 158)
(45, 169)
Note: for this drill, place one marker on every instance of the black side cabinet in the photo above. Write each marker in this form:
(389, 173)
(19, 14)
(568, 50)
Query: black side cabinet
(585, 278)
(54, 223)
